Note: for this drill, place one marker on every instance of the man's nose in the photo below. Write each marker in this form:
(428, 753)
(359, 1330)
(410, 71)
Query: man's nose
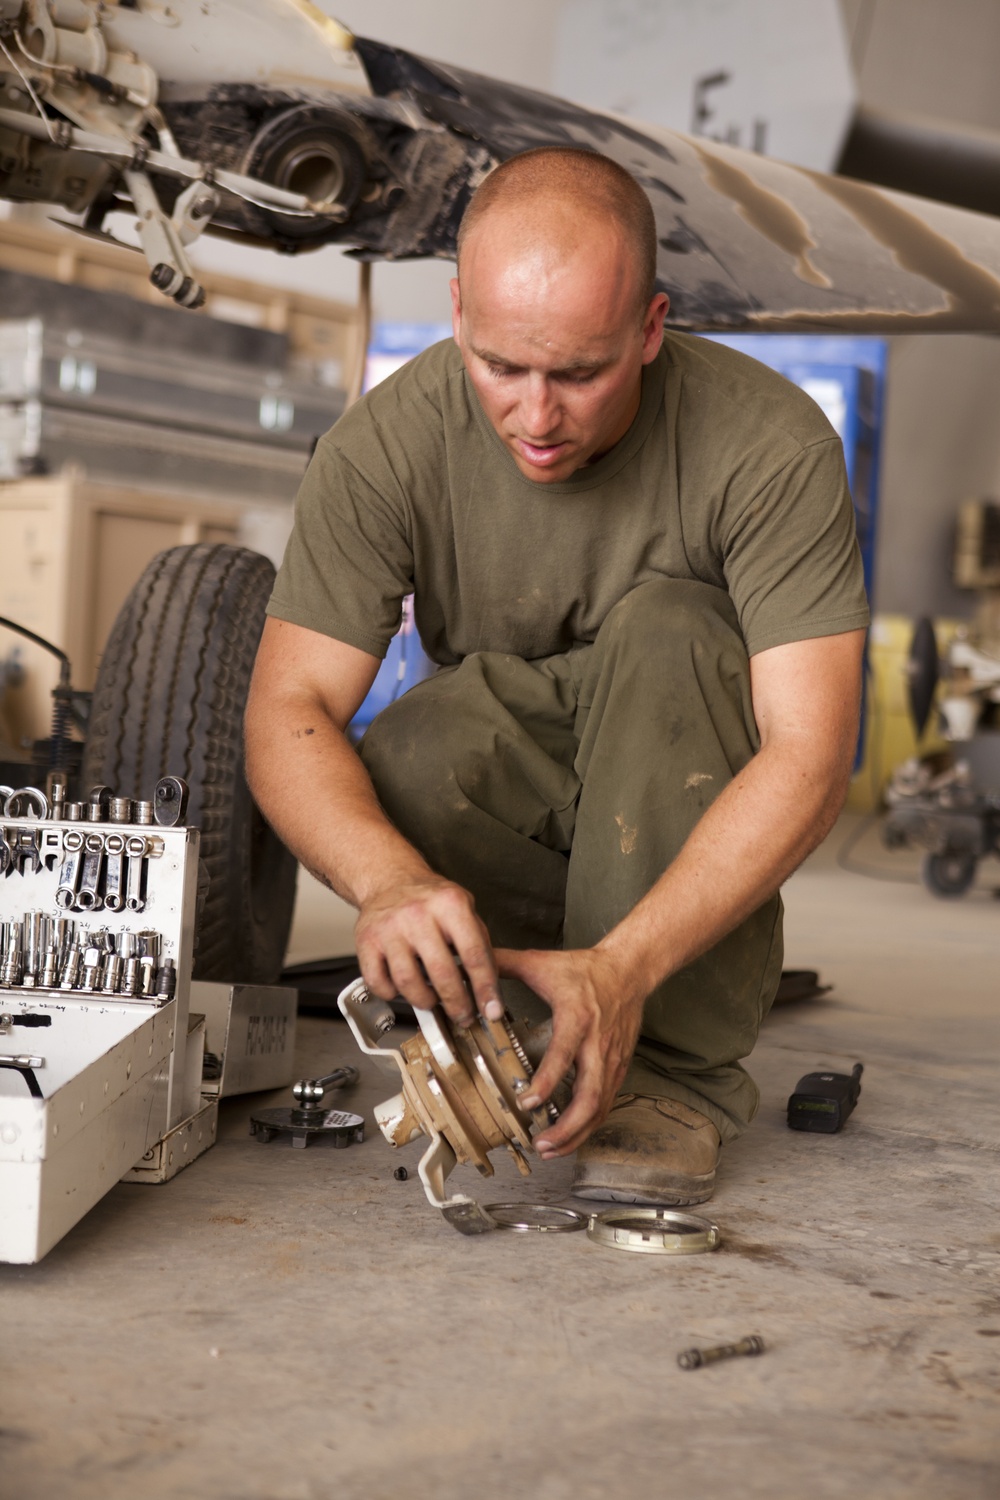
(540, 411)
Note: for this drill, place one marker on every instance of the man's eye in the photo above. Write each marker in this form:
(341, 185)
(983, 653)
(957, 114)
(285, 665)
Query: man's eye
(499, 371)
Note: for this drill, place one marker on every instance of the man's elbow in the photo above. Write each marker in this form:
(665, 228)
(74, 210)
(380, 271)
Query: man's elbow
(815, 774)
(836, 796)
(265, 714)
(255, 743)
(831, 782)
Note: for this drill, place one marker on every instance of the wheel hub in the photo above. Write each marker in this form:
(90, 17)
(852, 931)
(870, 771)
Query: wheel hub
(459, 1088)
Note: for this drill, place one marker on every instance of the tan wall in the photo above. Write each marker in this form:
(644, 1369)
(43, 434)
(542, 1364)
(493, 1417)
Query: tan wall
(927, 56)
(71, 552)
(941, 442)
(941, 446)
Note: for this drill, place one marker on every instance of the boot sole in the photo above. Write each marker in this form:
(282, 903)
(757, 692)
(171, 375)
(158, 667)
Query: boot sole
(668, 1192)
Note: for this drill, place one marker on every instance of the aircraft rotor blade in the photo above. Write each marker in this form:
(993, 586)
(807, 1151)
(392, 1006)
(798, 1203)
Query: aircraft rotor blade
(746, 242)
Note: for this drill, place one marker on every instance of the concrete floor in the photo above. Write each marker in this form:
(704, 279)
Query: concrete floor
(296, 1325)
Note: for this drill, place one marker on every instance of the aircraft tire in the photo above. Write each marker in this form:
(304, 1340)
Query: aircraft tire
(168, 701)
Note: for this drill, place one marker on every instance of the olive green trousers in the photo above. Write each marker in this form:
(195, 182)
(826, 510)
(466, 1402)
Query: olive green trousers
(557, 791)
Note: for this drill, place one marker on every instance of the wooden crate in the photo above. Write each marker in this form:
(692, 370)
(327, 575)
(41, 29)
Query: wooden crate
(72, 549)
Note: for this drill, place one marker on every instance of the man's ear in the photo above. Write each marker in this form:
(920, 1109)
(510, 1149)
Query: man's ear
(652, 328)
(456, 308)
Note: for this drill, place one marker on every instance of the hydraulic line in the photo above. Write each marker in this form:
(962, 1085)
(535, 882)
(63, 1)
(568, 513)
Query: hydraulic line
(61, 694)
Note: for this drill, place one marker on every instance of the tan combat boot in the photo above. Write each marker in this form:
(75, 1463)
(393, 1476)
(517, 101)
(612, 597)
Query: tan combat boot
(655, 1151)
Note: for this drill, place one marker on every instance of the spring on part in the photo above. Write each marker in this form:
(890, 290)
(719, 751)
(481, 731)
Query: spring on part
(59, 733)
(62, 694)
(551, 1109)
(519, 1051)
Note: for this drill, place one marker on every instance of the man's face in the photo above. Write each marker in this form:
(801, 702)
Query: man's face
(549, 332)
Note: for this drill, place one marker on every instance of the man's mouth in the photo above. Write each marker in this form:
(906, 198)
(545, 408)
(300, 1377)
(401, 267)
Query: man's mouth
(540, 455)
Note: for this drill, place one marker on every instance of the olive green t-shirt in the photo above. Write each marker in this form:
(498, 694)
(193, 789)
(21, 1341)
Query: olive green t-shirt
(729, 474)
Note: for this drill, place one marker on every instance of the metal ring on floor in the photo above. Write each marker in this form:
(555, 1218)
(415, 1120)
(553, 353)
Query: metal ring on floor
(542, 1218)
(653, 1231)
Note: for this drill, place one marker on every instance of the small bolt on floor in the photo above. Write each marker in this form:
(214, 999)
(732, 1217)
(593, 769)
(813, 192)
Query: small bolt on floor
(693, 1359)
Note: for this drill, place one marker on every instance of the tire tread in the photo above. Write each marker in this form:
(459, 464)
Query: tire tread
(169, 700)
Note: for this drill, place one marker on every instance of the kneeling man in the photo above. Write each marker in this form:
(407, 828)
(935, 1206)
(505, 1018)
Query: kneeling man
(633, 557)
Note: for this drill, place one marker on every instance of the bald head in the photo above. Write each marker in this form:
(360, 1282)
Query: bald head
(556, 203)
(554, 308)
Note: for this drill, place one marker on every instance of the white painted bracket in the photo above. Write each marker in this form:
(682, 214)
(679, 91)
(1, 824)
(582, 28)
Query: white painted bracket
(370, 1020)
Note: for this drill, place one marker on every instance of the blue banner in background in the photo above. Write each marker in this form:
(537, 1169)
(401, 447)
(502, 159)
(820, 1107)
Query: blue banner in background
(845, 375)
(392, 346)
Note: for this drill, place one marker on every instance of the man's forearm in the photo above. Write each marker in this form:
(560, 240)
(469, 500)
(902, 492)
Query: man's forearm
(754, 835)
(416, 932)
(311, 786)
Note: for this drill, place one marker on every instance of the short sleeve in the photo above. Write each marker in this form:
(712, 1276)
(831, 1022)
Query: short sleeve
(791, 557)
(349, 561)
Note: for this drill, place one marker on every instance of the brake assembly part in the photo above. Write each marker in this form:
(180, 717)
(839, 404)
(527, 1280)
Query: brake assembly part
(460, 1088)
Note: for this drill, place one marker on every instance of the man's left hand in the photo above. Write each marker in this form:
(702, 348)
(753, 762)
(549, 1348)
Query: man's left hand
(596, 1016)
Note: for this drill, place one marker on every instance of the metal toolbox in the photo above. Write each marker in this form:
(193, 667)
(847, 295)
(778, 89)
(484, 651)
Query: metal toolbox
(249, 1036)
(98, 921)
(148, 325)
(93, 374)
(39, 438)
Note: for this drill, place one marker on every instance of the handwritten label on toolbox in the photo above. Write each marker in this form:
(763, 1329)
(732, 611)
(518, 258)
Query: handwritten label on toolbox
(266, 1035)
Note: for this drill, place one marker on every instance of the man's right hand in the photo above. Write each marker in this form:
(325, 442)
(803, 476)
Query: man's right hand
(411, 938)
(414, 928)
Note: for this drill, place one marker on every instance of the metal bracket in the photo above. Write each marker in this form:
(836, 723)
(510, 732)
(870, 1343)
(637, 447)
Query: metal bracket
(172, 273)
(462, 1213)
(370, 1020)
(193, 211)
(122, 152)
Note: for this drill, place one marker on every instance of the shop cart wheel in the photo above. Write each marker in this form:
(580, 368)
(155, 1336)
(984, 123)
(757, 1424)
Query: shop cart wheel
(949, 874)
(168, 701)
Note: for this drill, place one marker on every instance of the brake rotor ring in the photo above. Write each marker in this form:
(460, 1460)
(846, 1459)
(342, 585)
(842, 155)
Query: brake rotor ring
(530, 1217)
(652, 1231)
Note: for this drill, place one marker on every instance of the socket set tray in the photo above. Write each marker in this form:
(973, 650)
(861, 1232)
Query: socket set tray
(92, 894)
(97, 915)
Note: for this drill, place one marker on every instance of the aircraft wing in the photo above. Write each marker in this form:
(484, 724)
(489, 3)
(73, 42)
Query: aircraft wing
(746, 242)
(265, 120)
